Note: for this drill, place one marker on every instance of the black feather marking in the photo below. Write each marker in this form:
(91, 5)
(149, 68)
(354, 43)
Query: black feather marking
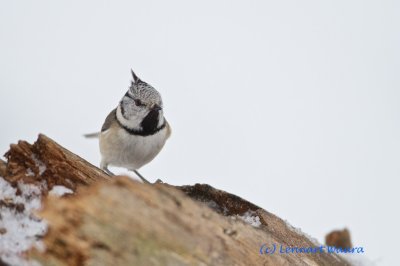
(150, 122)
(149, 125)
(135, 78)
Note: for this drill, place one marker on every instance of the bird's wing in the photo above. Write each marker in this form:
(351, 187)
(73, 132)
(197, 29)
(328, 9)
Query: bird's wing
(111, 118)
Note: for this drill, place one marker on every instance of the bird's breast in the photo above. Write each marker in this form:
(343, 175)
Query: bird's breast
(119, 148)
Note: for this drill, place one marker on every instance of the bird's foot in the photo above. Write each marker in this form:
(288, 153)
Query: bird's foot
(108, 172)
(141, 177)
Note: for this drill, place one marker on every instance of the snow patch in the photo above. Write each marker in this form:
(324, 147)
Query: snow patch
(29, 172)
(60, 191)
(42, 167)
(213, 205)
(251, 218)
(21, 229)
(298, 231)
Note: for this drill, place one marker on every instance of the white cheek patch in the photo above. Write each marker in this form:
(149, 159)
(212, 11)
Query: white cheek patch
(133, 122)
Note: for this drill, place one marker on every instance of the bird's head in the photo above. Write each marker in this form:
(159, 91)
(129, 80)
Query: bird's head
(141, 107)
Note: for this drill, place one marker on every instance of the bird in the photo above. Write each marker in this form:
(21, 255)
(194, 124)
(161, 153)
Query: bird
(135, 131)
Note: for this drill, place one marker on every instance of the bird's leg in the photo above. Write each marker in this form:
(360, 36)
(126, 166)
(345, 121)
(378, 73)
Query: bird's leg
(108, 172)
(104, 167)
(141, 177)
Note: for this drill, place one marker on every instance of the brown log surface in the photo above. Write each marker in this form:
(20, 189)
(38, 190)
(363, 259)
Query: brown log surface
(118, 221)
(125, 222)
(48, 161)
(3, 168)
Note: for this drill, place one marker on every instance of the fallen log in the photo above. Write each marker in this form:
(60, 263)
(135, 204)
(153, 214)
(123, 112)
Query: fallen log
(118, 221)
(125, 222)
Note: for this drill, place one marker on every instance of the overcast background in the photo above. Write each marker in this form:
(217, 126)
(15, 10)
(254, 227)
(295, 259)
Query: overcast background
(293, 105)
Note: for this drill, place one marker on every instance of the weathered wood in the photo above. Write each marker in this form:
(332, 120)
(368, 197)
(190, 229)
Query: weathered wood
(228, 204)
(46, 160)
(125, 222)
(339, 238)
(3, 167)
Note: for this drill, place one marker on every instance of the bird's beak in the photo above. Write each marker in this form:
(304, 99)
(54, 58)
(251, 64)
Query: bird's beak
(156, 108)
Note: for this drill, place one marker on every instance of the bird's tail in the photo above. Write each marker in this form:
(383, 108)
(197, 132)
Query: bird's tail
(92, 135)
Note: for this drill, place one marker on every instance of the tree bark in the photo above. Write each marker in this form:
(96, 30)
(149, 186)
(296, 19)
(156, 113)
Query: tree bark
(3, 167)
(125, 222)
(118, 221)
(47, 161)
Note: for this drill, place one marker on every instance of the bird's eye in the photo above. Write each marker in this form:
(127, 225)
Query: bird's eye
(138, 102)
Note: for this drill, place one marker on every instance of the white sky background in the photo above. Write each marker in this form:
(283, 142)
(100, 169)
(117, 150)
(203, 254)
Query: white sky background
(293, 105)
